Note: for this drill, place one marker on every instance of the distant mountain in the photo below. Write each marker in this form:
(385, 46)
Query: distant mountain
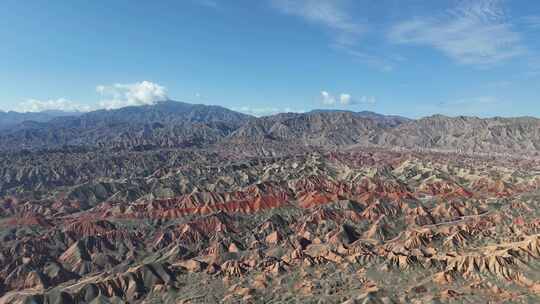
(393, 120)
(333, 129)
(165, 124)
(466, 134)
(164, 112)
(319, 128)
(11, 118)
(171, 124)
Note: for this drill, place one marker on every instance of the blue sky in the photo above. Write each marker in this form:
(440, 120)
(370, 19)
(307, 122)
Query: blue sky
(412, 58)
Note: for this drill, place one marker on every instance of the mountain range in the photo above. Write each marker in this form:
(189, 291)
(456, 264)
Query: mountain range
(171, 124)
(12, 118)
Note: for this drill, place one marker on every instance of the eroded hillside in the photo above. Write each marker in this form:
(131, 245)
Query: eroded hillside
(363, 226)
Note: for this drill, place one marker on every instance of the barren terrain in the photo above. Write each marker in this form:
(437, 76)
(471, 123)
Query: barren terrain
(311, 208)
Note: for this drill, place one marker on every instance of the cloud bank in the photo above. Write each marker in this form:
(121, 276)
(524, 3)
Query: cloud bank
(60, 104)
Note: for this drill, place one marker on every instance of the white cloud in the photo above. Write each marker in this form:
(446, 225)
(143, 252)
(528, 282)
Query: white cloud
(61, 104)
(135, 94)
(263, 111)
(475, 33)
(327, 98)
(345, 99)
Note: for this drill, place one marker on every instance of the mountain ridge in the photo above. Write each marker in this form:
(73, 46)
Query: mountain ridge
(12, 118)
(172, 124)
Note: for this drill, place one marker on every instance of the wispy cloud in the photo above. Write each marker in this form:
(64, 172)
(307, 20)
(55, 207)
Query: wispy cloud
(384, 64)
(60, 104)
(346, 30)
(475, 33)
(344, 99)
(134, 94)
(332, 14)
